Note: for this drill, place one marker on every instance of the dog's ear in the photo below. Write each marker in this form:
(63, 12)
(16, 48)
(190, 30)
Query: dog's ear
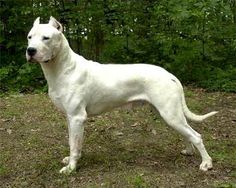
(55, 24)
(37, 21)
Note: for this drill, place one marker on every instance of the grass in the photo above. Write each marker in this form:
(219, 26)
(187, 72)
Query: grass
(122, 148)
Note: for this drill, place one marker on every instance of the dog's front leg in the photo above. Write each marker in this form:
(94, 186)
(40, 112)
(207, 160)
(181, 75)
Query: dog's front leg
(76, 130)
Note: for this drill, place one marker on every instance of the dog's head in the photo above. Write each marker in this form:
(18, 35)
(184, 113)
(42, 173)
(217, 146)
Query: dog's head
(44, 41)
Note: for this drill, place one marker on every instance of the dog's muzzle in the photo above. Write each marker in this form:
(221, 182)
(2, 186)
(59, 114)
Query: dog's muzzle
(31, 52)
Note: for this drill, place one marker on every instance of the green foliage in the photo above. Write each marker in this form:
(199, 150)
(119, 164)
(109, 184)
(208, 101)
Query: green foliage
(137, 181)
(219, 79)
(226, 185)
(195, 40)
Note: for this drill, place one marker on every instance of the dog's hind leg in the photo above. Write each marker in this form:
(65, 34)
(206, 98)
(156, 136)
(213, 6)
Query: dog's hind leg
(172, 113)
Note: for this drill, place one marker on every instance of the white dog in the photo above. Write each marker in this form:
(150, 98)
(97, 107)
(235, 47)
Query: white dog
(82, 88)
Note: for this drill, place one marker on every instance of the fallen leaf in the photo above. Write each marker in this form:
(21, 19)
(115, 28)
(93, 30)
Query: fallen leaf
(9, 131)
(154, 132)
(134, 125)
(119, 133)
(6, 120)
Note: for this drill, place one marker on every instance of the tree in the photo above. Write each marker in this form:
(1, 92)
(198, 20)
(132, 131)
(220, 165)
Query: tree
(194, 39)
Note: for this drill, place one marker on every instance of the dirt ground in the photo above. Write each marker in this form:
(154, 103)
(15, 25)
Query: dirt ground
(123, 148)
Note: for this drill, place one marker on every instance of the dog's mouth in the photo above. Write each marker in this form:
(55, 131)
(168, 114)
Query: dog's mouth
(47, 61)
(31, 59)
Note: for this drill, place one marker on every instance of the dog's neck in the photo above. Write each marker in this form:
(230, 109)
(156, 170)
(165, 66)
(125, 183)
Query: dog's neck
(59, 65)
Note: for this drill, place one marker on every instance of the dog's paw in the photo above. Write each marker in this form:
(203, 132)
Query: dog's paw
(67, 169)
(66, 160)
(206, 165)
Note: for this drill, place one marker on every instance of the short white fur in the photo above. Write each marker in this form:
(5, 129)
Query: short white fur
(82, 88)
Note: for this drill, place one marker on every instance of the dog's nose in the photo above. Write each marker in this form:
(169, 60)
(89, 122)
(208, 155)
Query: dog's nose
(31, 51)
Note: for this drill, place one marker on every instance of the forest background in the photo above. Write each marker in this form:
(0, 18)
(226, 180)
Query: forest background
(193, 39)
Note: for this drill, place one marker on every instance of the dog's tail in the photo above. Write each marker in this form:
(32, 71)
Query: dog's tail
(194, 117)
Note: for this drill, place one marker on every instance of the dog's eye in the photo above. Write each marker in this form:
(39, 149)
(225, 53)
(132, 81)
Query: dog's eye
(45, 38)
(29, 37)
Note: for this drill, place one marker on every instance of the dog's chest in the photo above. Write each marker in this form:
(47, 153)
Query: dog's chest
(57, 100)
